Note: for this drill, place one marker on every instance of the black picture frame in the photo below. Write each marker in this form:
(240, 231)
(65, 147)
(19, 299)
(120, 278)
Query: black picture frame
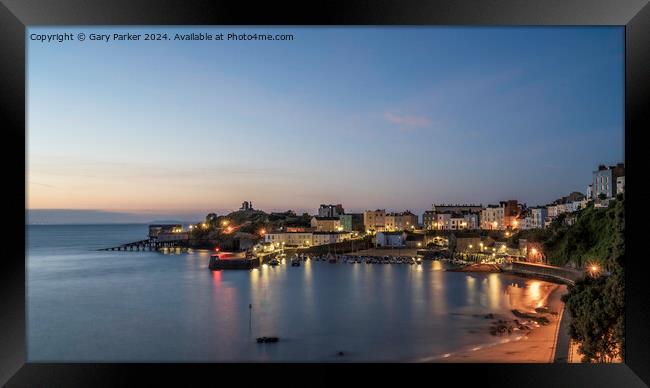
(17, 15)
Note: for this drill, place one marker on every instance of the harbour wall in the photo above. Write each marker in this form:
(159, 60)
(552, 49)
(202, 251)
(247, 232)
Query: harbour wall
(547, 272)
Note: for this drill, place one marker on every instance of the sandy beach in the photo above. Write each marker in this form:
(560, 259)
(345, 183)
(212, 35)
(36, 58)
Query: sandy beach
(537, 346)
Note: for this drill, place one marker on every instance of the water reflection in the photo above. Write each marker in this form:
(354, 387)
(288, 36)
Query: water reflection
(528, 295)
(495, 288)
(470, 282)
(216, 279)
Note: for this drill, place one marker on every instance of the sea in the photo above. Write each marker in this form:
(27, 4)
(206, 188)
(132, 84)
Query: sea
(88, 305)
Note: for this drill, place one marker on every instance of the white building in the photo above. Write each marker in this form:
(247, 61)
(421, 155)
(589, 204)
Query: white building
(289, 239)
(471, 221)
(551, 211)
(322, 238)
(326, 224)
(330, 210)
(538, 217)
(400, 221)
(374, 220)
(305, 239)
(390, 239)
(526, 223)
(605, 180)
(620, 185)
(442, 221)
(492, 217)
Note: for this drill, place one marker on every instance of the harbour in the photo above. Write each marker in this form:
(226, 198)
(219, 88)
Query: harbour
(133, 300)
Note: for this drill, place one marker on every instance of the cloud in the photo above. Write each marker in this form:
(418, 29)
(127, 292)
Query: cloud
(408, 122)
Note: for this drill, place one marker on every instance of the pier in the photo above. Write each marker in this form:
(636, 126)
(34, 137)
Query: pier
(161, 236)
(149, 245)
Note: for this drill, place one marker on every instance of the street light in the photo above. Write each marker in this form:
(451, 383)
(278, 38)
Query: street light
(593, 269)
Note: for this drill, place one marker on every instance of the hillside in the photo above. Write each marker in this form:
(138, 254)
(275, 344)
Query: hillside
(596, 304)
(597, 235)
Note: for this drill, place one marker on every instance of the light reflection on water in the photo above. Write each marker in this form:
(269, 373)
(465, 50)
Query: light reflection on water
(85, 305)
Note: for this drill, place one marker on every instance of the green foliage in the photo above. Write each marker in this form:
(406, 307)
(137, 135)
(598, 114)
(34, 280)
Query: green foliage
(597, 310)
(212, 220)
(596, 236)
(596, 304)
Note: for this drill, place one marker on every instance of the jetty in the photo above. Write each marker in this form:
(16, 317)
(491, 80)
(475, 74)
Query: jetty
(161, 237)
(149, 245)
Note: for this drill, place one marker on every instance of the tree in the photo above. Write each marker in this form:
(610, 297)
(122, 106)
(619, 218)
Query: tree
(597, 304)
(602, 196)
(212, 220)
(596, 307)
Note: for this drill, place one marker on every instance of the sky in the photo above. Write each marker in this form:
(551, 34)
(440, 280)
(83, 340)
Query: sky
(394, 118)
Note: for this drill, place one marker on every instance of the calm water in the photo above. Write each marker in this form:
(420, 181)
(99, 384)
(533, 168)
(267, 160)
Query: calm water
(85, 305)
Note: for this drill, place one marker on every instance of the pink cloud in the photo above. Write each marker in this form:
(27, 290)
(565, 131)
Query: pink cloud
(408, 121)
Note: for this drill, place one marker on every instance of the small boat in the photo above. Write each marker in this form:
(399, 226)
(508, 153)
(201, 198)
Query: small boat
(274, 262)
(267, 339)
(295, 263)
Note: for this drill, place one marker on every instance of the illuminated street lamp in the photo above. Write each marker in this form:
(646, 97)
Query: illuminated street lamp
(495, 224)
(225, 222)
(593, 269)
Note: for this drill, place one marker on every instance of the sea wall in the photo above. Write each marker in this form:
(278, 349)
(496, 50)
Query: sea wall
(551, 273)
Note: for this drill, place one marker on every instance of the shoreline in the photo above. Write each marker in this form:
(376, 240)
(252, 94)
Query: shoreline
(536, 346)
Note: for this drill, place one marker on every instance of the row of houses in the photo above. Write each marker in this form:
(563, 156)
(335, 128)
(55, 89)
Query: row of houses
(607, 182)
(333, 224)
(379, 221)
(305, 238)
(504, 215)
(467, 243)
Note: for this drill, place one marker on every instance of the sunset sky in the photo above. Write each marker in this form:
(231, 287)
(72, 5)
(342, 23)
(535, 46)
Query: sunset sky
(395, 118)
